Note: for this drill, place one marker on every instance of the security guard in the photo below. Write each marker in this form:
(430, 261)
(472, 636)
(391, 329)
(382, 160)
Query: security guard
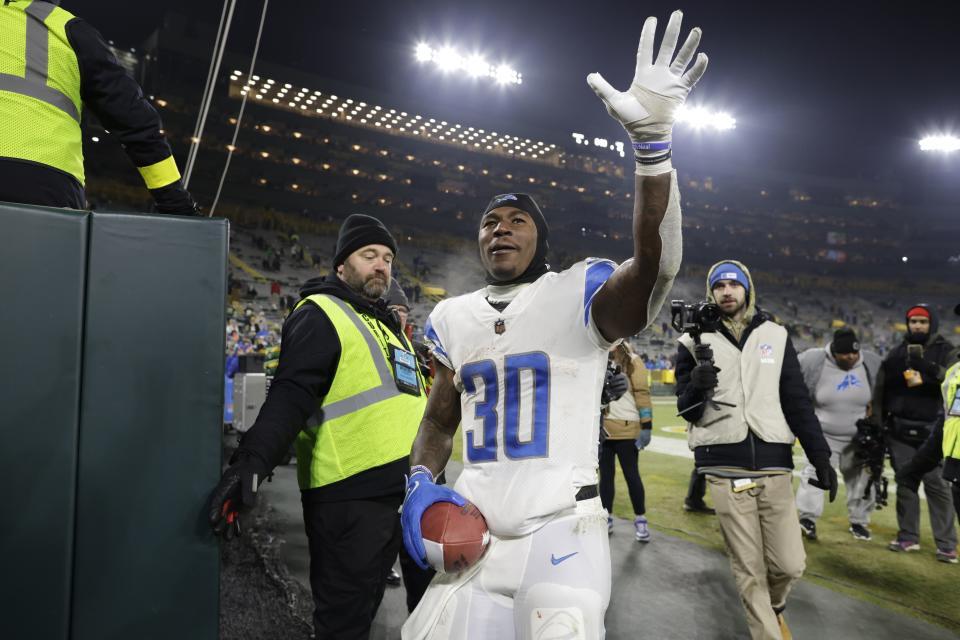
(943, 444)
(348, 389)
(51, 64)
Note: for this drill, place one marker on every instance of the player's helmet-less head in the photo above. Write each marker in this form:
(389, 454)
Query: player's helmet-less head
(510, 250)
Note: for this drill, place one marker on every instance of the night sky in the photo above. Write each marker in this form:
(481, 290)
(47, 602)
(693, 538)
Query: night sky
(830, 89)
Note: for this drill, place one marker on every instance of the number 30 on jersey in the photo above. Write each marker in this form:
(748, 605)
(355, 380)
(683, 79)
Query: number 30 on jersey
(482, 378)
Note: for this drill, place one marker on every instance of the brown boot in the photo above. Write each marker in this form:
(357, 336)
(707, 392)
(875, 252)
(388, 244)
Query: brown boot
(784, 629)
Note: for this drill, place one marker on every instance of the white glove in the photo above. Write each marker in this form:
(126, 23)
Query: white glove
(646, 110)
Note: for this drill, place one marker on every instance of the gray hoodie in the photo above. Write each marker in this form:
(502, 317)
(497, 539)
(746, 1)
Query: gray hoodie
(840, 397)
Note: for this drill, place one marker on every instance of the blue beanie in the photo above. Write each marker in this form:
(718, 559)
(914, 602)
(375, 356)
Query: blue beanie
(728, 271)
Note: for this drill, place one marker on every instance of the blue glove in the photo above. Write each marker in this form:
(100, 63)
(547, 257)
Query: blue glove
(421, 493)
(644, 438)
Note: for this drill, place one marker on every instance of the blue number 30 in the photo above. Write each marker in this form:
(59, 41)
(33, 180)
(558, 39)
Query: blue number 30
(484, 448)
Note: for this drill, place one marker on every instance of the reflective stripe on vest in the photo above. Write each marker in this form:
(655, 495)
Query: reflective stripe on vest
(384, 391)
(364, 420)
(50, 75)
(951, 424)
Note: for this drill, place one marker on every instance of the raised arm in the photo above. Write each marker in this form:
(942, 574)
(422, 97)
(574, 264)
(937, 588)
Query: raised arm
(634, 294)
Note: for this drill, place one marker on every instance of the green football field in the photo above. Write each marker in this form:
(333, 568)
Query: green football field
(914, 584)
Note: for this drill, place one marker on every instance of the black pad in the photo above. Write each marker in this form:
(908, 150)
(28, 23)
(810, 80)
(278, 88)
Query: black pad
(146, 564)
(42, 268)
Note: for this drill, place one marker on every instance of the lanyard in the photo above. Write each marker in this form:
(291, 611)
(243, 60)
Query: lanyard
(378, 333)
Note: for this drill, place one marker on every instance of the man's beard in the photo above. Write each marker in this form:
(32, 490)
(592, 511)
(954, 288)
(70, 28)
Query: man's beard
(371, 288)
(730, 314)
(374, 287)
(915, 337)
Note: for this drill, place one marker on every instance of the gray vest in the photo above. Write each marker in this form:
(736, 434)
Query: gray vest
(750, 379)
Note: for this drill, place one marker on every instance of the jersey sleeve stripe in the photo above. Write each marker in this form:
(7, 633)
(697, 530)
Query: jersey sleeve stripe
(597, 273)
(435, 346)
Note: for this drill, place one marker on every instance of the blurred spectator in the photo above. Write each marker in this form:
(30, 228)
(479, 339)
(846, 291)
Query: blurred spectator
(908, 403)
(628, 426)
(840, 378)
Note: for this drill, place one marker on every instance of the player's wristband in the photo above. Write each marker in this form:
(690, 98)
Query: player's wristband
(650, 160)
(419, 468)
(652, 146)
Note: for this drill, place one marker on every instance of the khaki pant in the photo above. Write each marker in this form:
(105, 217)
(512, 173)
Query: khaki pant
(762, 534)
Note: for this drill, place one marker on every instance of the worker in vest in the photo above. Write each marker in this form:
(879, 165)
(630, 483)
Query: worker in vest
(943, 444)
(746, 404)
(348, 389)
(52, 64)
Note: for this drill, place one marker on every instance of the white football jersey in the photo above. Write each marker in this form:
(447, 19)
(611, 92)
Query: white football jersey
(530, 381)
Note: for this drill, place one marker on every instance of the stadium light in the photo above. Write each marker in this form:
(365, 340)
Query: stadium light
(944, 143)
(704, 118)
(448, 59)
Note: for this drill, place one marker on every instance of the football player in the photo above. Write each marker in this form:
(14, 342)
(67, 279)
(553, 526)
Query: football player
(521, 362)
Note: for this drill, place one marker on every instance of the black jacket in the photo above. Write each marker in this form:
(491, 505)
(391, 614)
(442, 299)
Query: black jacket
(309, 357)
(753, 453)
(892, 396)
(116, 99)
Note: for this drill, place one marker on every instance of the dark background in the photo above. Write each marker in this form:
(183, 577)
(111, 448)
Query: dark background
(828, 89)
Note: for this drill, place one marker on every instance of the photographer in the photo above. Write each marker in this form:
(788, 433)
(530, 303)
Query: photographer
(627, 427)
(943, 444)
(840, 379)
(746, 403)
(908, 403)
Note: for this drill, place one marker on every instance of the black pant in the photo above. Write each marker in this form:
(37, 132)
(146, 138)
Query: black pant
(697, 488)
(626, 451)
(33, 183)
(415, 579)
(353, 544)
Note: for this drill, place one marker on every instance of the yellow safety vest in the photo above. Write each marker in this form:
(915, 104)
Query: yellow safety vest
(40, 93)
(366, 421)
(39, 87)
(951, 424)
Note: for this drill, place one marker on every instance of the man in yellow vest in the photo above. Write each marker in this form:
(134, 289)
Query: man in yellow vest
(349, 391)
(52, 64)
(943, 444)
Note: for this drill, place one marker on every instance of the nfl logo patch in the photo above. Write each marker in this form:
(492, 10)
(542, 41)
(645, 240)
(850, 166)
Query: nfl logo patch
(766, 353)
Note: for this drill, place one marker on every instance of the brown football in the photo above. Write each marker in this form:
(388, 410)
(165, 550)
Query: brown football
(454, 537)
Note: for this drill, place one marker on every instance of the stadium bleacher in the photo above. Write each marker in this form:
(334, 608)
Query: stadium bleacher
(311, 151)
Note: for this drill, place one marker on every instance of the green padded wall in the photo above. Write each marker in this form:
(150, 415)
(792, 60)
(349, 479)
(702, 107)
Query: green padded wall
(42, 266)
(146, 565)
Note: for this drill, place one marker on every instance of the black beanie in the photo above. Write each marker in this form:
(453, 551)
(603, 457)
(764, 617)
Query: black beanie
(358, 231)
(395, 296)
(844, 341)
(525, 202)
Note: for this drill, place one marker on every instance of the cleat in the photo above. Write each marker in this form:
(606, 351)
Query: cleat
(643, 531)
(947, 555)
(860, 532)
(903, 545)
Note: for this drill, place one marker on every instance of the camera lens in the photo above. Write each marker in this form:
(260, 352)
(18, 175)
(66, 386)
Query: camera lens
(710, 314)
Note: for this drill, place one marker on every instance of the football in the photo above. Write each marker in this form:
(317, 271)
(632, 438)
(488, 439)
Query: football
(454, 537)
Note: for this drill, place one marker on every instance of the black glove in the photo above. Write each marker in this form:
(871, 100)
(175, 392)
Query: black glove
(174, 199)
(703, 377)
(615, 384)
(236, 493)
(908, 478)
(826, 478)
